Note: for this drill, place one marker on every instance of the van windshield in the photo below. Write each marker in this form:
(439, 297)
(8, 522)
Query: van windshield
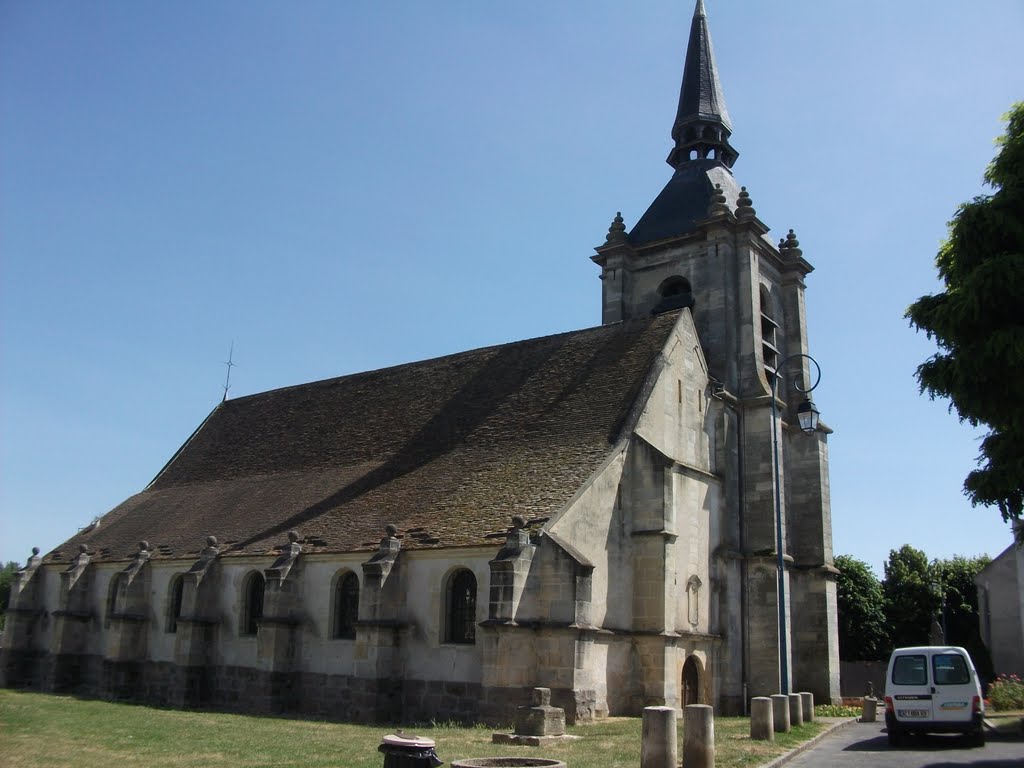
(910, 670)
(950, 669)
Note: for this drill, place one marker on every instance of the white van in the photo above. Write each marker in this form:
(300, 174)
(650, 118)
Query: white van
(933, 688)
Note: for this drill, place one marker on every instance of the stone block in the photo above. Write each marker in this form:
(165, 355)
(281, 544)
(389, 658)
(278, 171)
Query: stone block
(807, 705)
(698, 736)
(761, 719)
(780, 712)
(796, 710)
(659, 747)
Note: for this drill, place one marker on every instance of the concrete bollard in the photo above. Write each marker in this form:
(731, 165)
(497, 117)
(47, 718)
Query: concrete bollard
(807, 704)
(780, 712)
(761, 727)
(698, 736)
(796, 710)
(658, 748)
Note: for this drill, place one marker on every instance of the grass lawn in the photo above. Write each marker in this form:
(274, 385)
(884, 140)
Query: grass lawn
(44, 730)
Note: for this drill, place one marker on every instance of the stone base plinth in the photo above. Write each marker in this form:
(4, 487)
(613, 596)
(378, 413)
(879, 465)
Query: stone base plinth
(530, 741)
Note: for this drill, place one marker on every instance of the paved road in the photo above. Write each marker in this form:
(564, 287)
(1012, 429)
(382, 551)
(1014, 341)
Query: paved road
(864, 745)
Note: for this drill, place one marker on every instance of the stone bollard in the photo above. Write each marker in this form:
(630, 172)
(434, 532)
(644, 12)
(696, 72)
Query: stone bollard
(796, 710)
(698, 736)
(658, 749)
(780, 712)
(867, 713)
(807, 704)
(761, 728)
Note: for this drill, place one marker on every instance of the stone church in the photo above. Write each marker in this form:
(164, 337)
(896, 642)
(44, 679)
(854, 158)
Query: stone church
(592, 512)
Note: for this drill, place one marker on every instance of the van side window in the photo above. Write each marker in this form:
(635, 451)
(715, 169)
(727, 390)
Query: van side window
(950, 669)
(910, 670)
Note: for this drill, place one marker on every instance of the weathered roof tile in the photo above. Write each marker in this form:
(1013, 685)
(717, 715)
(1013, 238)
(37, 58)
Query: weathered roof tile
(453, 446)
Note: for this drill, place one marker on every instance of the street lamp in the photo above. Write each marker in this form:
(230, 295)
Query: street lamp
(807, 415)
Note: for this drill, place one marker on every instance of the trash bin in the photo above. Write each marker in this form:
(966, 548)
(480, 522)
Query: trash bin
(404, 750)
(867, 713)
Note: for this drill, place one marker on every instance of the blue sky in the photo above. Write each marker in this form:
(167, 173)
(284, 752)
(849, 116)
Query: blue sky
(341, 186)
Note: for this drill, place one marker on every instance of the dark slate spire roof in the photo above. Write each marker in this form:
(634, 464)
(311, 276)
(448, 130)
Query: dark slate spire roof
(446, 449)
(702, 121)
(702, 155)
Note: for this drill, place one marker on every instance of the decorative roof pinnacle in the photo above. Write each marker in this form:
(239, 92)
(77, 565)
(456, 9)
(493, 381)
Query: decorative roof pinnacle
(718, 206)
(744, 205)
(793, 245)
(617, 230)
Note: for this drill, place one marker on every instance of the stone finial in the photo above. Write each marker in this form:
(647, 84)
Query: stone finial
(140, 559)
(74, 571)
(33, 561)
(617, 231)
(517, 538)
(282, 566)
(793, 245)
(210, 551)
(389, 544)
(207, 556)
(718, 206)
(782, 245)
(744, 205)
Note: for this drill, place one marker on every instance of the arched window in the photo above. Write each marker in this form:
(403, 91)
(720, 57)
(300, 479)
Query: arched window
(675, 293)
(346, 606)
(460, 613)
(177, 590)
(252, 607)
(115, 586)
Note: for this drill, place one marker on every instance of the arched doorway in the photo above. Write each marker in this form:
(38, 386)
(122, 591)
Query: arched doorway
(691, 682)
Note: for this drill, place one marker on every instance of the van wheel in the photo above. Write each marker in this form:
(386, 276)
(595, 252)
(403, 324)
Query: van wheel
(895, 737)
(978, 738)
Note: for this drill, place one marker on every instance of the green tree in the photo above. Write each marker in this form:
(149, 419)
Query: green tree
(6, 577)
(962, 624)
(978, 324)
(911, 599)
(863, 633)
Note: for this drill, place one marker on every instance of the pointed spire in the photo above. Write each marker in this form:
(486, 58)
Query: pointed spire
(702, 127)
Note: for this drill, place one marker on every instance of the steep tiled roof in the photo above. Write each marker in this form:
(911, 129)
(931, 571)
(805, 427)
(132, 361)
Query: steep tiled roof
(684, 201)
(446, 449)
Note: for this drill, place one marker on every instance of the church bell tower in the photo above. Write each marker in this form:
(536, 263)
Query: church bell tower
(701, 246)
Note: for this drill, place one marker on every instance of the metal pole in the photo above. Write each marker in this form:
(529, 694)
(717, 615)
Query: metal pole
(780, 564)
(780, 561)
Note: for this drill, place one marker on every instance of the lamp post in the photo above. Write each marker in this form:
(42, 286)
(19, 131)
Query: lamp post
(807, 415)
(939, 588)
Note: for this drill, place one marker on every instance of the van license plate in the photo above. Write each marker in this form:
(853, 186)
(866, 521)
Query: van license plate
(913, 713)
